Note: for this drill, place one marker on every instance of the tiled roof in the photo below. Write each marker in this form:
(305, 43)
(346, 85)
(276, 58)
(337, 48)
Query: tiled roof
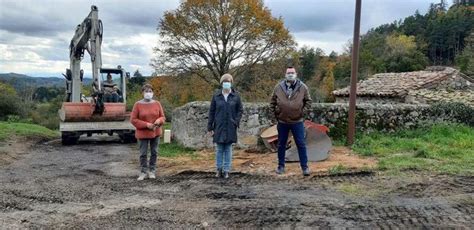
(398, 84)
(431, 96)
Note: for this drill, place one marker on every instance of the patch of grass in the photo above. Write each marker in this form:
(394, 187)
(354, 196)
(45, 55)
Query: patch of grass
(174, 149)
(11, 129)
(444, 148)
(351, 189)
(338, 169)
(167, 125)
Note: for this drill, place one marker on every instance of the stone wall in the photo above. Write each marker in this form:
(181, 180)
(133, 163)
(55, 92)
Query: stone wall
(190, 120)
(372, 100)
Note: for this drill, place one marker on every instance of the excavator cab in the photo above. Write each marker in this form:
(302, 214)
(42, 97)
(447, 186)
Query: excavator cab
(113, 84)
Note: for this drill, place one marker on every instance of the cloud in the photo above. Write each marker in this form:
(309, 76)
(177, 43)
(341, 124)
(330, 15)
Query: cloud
(35, 35)
(338, 15)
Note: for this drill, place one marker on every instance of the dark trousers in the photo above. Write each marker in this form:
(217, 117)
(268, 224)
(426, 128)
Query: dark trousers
(111, 97)
(298, 134)
(144, 143)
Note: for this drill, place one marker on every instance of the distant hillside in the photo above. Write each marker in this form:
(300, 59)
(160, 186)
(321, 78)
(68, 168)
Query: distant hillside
(21, 81)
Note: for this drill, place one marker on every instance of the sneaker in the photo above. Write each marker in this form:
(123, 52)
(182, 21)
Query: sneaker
(219, 173)
(142, 176)
(280, 170)
(226, 175)
(306, 172)
(152, 174)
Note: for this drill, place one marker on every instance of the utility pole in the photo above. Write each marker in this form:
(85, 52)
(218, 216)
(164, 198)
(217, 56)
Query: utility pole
(354, 70)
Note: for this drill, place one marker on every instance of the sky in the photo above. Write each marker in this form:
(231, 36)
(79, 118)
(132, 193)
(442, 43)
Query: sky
(35, 35)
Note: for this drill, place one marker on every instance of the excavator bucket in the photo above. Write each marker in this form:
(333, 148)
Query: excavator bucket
(318, 143)
(79, 111)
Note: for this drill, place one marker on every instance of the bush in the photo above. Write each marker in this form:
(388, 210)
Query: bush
(46, 114)
(13, 118)
(10, 102)
(168, 109)
(461, 112)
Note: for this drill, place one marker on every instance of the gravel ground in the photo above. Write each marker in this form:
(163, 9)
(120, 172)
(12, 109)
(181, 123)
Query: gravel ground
(93, 185)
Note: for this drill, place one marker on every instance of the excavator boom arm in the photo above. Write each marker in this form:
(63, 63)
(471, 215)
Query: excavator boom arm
(88, 36)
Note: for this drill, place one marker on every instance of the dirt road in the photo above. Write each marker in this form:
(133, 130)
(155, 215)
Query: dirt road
(93, 185)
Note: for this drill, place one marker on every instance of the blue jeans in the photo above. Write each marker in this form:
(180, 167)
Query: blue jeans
(298, 134)
(224, 156)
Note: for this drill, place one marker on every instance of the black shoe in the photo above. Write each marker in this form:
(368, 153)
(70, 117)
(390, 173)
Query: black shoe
(280, 170)
(219, 173)
(306, 172)
(226, 175)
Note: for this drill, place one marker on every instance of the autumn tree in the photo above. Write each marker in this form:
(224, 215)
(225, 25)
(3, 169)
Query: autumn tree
(402, 55)
(328, 82)
(209, 38)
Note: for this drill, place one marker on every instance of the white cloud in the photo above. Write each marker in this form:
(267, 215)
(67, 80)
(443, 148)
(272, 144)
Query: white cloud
(35, 35)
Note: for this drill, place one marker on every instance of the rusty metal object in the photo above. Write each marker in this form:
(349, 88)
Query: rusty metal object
(82, 112)
(270, 138)
(318, 143)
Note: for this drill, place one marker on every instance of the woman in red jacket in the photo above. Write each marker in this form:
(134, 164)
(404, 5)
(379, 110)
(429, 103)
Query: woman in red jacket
(147, 117)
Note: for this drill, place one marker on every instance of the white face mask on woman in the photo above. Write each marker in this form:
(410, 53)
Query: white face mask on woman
(226, 85)
(148, 95)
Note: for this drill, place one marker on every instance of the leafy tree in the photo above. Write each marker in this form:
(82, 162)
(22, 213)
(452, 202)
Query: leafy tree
(45, 94)
(209, 38)
(401, 54)
(342, 71)
(333, 56)
(309, 61)
(328, 82)
(465, 60)
(137, 73)
(10, 103)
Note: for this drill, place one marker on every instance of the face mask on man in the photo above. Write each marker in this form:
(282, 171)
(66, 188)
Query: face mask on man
(226, 85)
(148, 95)
(290, 76)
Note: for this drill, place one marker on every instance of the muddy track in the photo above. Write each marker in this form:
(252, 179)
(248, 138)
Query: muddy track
(93, 185)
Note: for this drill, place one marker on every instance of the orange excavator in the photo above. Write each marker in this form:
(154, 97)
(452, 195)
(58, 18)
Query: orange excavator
(104, 110)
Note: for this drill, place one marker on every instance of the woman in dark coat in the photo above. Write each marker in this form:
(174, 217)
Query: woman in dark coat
(224, 119)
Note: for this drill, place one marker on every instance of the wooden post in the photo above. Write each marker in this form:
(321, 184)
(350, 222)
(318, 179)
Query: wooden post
(354, 70)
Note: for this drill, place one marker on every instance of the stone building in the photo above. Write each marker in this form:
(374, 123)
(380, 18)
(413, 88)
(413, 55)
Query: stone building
(435, 84)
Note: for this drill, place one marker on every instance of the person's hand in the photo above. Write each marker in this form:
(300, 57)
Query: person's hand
(150, 126)
(157, 123)
(210, 133)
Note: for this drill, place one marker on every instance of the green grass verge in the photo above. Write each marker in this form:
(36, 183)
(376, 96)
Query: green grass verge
(167, 125)
(444, 148)
(8, 130)
(174, 149)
